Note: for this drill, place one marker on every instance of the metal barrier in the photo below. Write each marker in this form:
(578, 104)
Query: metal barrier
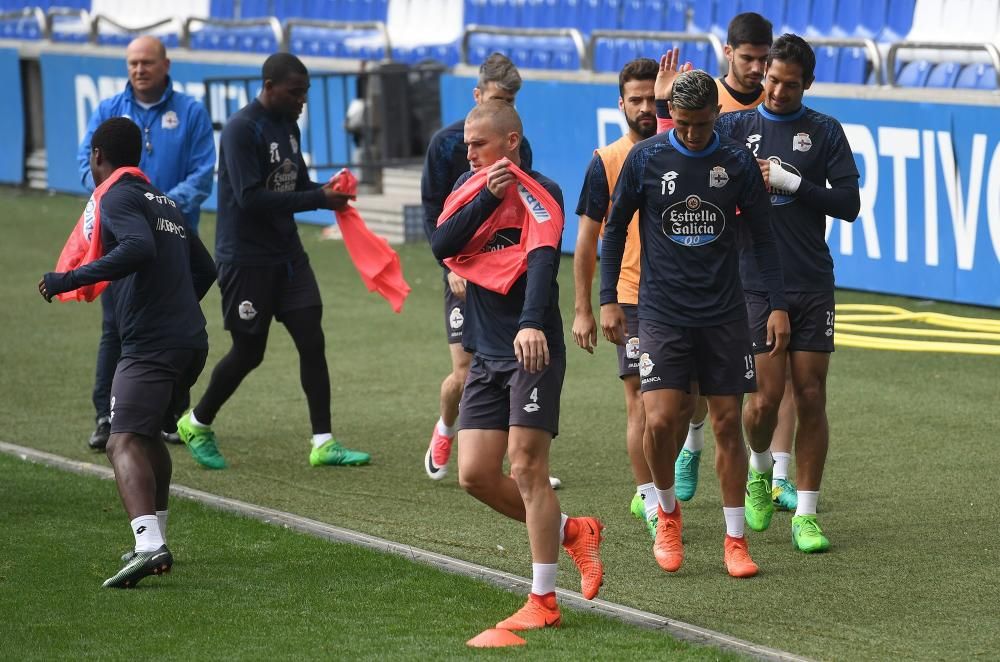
(98, 19)
(34, 13)
(269, 21)
(871, 49)
(572, 33)
(991, 50)
(366, 121)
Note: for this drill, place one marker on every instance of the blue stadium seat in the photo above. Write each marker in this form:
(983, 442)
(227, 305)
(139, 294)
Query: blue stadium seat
(609, 15)
(318, 42)
(758, 6)
(796, 19)
(564, 56)
(604, 55)
(701, 16)
(826, 64)
(541, 14)
(723, 13)
(821, 18)
(944, 74)
(853, 66)
(698, 53)
(520, 51)
(914, 74)
(220, 9)
(473, 11)
(675, 19)
(899, 20)
(255, 9)
(772, 10)
(627, 49)
(977, 77)
(642, 15)
(251, 39)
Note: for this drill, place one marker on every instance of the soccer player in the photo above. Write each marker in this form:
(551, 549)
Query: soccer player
(686, 185)
(178, 157)
(635, 100)
(263, 270)
(446, 162)
(510, 404)
(799, 150)
(159, 270)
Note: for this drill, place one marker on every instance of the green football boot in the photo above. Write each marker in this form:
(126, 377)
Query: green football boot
(784, 495)
(759, 507)
(686, 474)
(807, 536)
(638, 508)
(200, 440)
(141, 564)
(333, 454)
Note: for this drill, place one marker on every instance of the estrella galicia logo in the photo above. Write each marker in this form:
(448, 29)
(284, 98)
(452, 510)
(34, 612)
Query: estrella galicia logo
(780, 196)
(693, 222)
(533, 205)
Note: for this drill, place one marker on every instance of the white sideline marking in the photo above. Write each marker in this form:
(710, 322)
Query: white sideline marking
(677, 629)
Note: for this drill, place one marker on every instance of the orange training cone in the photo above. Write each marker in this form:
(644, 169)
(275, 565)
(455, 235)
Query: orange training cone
(495, 638)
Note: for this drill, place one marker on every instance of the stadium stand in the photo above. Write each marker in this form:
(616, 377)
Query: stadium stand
(856, 41)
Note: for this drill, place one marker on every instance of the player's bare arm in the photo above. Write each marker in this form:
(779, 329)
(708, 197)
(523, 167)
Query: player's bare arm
(584, 259)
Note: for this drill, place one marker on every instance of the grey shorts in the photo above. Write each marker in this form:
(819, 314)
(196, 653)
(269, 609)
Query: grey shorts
(810, 314)
(500, 393)
(147, 387)
(719, 358)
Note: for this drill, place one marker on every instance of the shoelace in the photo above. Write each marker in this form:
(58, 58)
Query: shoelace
(687, 459)
(762, 497)
(808, 526)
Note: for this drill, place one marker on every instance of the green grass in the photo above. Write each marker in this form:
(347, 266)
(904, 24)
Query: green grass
(241, 589)
(908, 499)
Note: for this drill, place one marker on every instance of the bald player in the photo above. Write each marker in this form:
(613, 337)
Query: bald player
(510, 404)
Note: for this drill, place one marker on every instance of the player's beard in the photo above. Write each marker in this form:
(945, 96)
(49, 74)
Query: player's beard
(642, 131)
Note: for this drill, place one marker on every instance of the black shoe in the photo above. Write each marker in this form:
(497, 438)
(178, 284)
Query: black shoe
(99, 440)
(171, 437)
(142, 564)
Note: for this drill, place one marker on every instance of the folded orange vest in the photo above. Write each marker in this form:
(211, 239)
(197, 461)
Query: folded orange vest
(375, 261)
(84, 243)
(527, 206)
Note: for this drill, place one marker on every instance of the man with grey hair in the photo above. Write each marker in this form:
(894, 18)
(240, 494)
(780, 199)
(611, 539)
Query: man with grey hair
(447, 160)
(687, 184)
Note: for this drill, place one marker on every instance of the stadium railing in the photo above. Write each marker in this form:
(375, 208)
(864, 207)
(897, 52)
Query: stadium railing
(269, 21)
(34, 14)
(870, 47)
(893, 54)
(378, 27)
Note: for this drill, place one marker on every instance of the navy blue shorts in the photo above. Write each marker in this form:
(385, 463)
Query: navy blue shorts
(810, 315)
(147, 388)
(628, 355)
(454, 316)
(719, 358)
(500, 393)
(251, 296)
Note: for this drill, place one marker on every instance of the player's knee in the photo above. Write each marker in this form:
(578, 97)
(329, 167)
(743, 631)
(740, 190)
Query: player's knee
(476, 480)
(811, 397)
(763, 405)
(661, 425)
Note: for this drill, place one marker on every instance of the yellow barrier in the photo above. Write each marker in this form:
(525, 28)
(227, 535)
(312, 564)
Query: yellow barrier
(969, 328)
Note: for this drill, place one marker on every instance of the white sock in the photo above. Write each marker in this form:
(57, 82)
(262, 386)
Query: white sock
(666, 499)
(161, 520)
(563, 517)
(320, 439)
(781, 462)
(807, 503)
(761, 462)
(696, 437)
(543, 578)
(446, 430)
(195, 422)
(147, 533)
(734, 521)
(649, 500)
